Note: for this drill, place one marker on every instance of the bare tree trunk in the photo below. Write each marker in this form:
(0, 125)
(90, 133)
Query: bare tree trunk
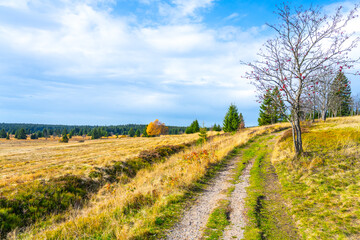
(296, 132)
(294, 135)
(323, 115)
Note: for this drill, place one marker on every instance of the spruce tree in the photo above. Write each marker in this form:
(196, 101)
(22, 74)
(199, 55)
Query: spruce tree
(216, 128)
(145, 134)
(64, 139)
(193, 128)
(20, 134)
(72, 133)
(34, 136)
(64, 132)
(343, 93)
(202, 135)
(269, 111)
(3, 133)
(131, 132)
(137, 133)
(231, 120)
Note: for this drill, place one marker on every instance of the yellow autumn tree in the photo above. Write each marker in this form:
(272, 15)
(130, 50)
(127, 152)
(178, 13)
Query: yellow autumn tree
(156, 128)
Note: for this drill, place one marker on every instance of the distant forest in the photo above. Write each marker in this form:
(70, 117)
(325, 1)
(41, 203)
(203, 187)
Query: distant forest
(74, 130)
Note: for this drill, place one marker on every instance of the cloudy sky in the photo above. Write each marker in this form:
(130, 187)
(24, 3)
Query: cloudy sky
(130, 61)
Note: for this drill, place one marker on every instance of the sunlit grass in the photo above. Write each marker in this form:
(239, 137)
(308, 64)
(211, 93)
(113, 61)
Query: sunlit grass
(23, 161)
(140, 209)
(323, 185)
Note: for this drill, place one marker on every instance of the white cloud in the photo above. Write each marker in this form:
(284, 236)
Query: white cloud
(231, 16)
(113, 61)
(17, 4)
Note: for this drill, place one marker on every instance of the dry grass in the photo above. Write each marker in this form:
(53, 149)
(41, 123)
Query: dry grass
(322, 186)
(132, 210)
(23, 161)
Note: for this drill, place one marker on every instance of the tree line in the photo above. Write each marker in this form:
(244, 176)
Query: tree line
(35, 131)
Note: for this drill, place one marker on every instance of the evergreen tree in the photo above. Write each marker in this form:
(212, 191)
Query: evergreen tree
(137, 133)
(34, 136)
(95, 133)
(8, 136)
(269, 111)
(341, 92)
(64, 132)
(231, 120)
(145, 134)
(131, 132)
(64, 138)
(3, 133)
(39, 134)
(202, 135)
(216, 128)
(72, 133)
(20, 134)
(193, 128)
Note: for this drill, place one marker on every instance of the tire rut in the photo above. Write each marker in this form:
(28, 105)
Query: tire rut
(193, 222)
(237, 203)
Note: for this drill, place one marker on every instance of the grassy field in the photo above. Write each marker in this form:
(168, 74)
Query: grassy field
(318, 193)
(323, 186)
(23, 161)
(149, 203)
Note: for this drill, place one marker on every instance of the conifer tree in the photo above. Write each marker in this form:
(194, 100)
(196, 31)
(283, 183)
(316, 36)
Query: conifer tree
(137, 133)
(64, 132)
(216, 128)
(145, 134)
(34, 136)
(3, 133)
(231, 120)
(202, 135)
(131, 132)
(341, 95)
(64, 138)
(270, 112)
(193, 128)
(20, 134)
(8, 136)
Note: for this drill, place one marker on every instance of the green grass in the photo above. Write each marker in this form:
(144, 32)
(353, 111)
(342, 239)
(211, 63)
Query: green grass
(218, 221)
(323, 185)
(254, 201)
(267, 216)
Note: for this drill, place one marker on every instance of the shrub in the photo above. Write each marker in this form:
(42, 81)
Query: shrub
(41, 198)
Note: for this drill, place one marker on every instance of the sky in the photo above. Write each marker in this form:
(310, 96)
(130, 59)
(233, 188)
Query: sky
(107, 62)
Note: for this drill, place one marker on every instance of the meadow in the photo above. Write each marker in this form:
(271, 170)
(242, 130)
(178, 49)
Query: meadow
(141, 185)
(322, 187)
(141, 206)
(23, 161)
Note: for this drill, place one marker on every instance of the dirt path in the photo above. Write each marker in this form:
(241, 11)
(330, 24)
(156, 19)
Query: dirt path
(194, 220)
(237, 203)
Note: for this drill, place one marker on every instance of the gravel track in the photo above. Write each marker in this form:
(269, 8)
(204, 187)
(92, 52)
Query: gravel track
(193, 222)
(237, 203)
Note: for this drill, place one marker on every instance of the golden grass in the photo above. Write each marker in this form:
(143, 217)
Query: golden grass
(146, 195)
(22, 161)
(322, 186)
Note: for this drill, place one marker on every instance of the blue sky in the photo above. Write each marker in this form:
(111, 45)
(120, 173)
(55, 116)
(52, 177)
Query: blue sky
(103, 62)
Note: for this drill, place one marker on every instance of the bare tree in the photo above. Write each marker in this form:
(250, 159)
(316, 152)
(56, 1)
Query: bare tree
(306, 42)
(322, 87)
